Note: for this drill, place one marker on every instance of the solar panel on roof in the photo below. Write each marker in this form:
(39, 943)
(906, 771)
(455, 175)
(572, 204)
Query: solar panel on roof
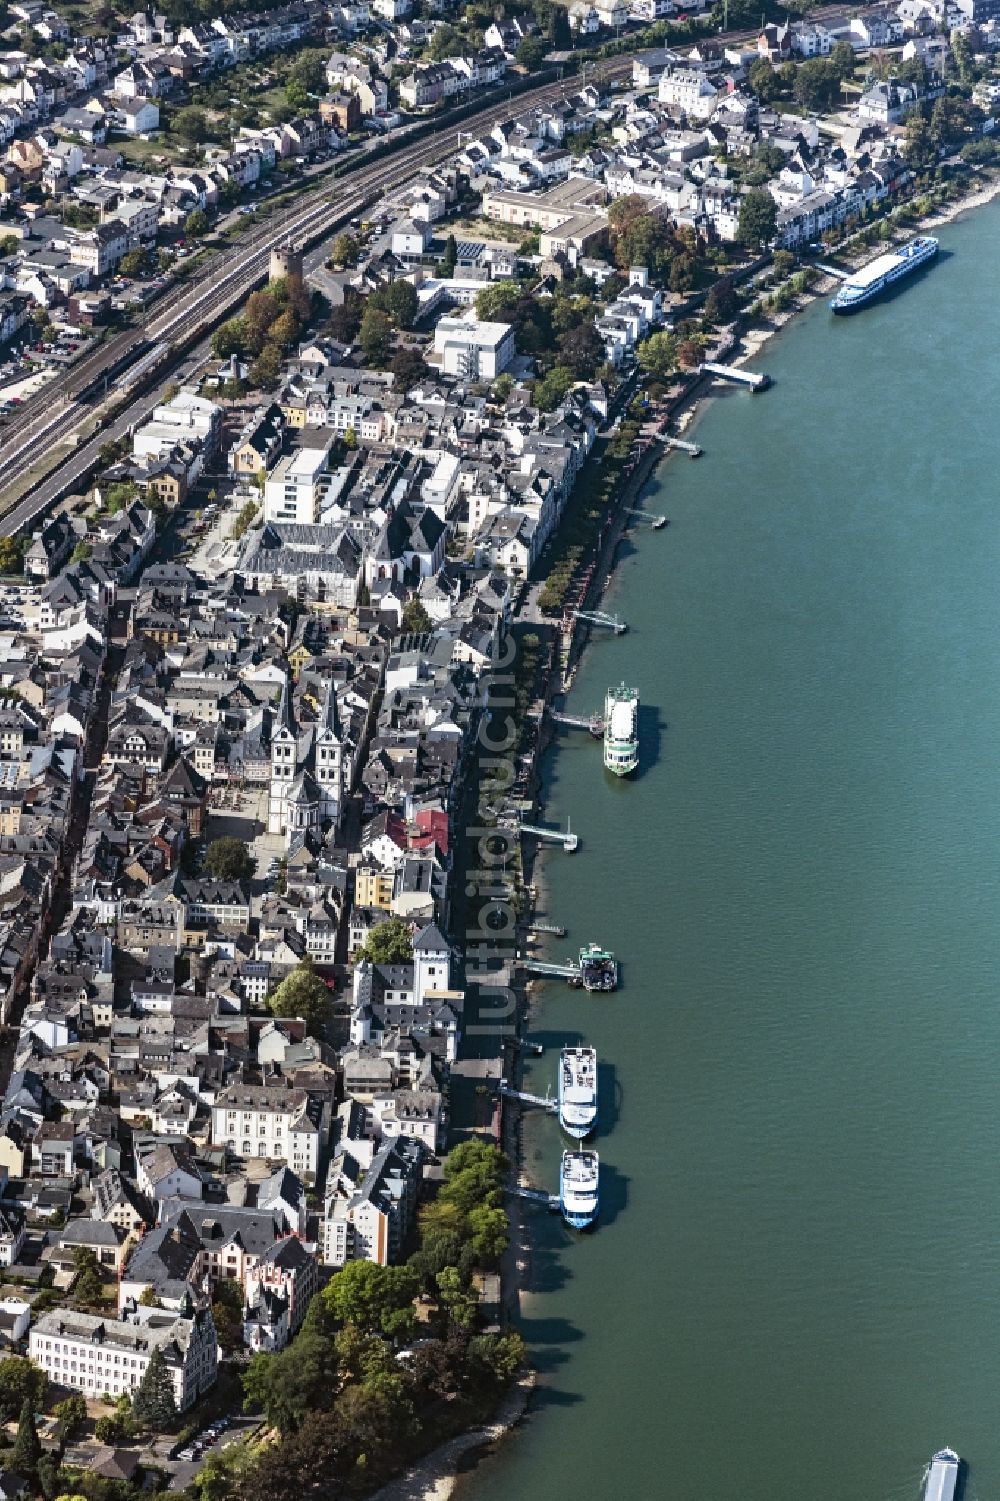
(470, 250)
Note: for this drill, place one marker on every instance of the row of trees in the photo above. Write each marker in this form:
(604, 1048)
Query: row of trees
(271, 323)
(949, 122)
(814, 84)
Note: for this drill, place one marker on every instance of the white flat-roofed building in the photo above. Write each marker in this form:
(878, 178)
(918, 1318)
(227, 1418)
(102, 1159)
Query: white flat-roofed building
(93, 1355)
(294, 489)
(473, 350)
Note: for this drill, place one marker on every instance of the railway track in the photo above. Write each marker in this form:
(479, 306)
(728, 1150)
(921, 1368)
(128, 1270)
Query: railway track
(221, 288)
(195, 309)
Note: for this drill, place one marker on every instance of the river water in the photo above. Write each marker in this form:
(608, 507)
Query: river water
(793, 1292)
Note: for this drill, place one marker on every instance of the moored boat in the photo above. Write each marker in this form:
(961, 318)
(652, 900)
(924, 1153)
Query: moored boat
(598, 968)
(865, 284)
(621, 730)
(578, 1091)
(579, 1176)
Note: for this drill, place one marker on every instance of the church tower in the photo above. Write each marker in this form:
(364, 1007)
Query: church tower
(328, 757)
(284, 754)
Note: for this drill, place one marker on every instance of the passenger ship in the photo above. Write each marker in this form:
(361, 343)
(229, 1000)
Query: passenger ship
(942, 1476)
(578, 1188)
(621, 730)
(863, 286)
(578, 1091)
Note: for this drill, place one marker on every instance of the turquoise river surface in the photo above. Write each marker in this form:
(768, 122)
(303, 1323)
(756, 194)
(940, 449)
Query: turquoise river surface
(794, 1290)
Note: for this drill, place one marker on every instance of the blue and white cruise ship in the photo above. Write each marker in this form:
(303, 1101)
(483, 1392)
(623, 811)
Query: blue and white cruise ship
(578, 1180)
(865, 285)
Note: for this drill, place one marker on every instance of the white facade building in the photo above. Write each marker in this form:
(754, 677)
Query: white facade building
(93, 1355)
(473, 350)
(270, 1121)
(294, 489)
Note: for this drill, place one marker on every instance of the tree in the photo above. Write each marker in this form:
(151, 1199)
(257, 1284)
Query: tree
(304, 994)
(81, 552)
(842, 61)
(11, 554)
(345, 320)
(262, 308)
(388, 942)
(377, 1299)
(375, 336)
(285, 330)
(230, 338)
(581, 350)
(71, 1413)
(918, 149)
(816, 84)
(763, 80)
(47, 1470)
(114, 1428)
(462, 1305)
(489, 1229)
(191, 124)
(227, 1315)
(531, 53)
(266, 368)
(153, 1405)
(658, 355)
(398, 300)
(344, 251)
(550, 391)
(134, 263)
(415, 617)
(450, 256)
(302, 1378)
(196, 223)
(27, 1450)
(721, 304)
(20, 1382)
(502, 1355)
(446, 42)
(408, 367)
(758, 218)
(88, 1287)
(496, 300)
(228, 859)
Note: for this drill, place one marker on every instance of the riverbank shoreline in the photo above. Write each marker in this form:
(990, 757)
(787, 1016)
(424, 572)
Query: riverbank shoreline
(435, 1477)
(686, 410)
(754, 337)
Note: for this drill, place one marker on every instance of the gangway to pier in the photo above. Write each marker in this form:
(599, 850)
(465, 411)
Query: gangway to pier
(756, 381)
(691, 449)
(527, 1046)
(656, 522)
(544, 1102)
(555, 928)
(595, 724)
(535, 1196)
(569, 840)
(832, 271)
(550, 971)
(601, 617)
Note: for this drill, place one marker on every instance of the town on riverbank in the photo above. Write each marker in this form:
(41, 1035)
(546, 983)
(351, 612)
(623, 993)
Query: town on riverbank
(276, 671)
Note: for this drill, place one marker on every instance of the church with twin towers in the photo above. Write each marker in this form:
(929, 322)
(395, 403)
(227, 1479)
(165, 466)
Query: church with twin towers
(307, 768)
